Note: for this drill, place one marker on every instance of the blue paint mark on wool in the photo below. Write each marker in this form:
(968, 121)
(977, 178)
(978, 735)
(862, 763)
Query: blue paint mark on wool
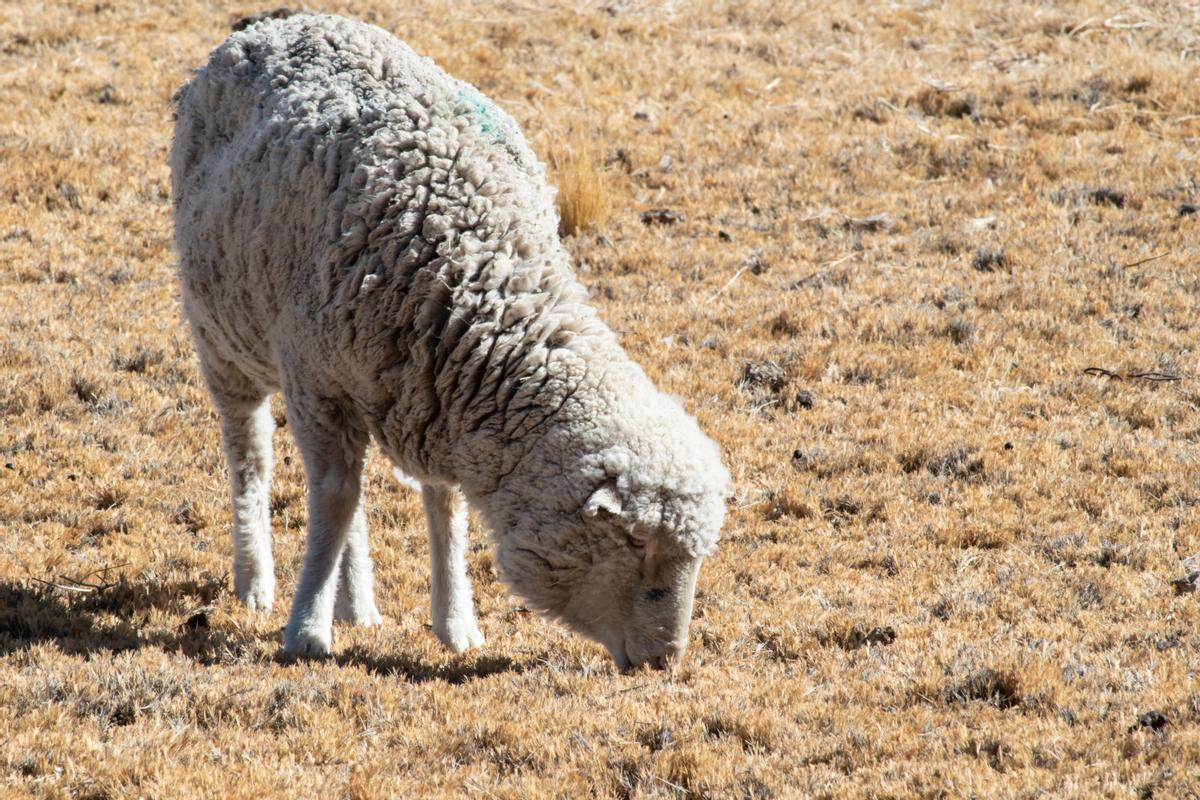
(484, 113)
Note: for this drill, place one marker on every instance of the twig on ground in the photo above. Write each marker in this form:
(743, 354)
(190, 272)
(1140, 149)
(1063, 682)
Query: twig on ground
(1151, 258)
(81, 584)
(1120, 23)
(674, 786)
(1130, 376)
(728, 283)
(102, 572)
(53, 585)
(84, 585)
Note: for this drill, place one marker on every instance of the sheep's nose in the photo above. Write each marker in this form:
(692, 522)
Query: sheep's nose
(668, 660)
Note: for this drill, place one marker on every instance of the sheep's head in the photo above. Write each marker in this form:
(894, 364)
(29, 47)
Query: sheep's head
(610, 541)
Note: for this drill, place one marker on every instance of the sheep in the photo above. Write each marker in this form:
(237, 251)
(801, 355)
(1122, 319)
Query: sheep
(375, 239)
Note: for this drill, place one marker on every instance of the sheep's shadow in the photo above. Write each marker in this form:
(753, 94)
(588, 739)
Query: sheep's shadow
(416, 670)
(82, 620)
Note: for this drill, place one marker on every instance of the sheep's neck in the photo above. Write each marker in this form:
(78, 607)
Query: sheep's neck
(532, 390)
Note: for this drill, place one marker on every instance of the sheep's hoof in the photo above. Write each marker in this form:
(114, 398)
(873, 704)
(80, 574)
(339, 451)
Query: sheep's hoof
(368, 617)
(459, 635)
(307, 643)
(257, 595)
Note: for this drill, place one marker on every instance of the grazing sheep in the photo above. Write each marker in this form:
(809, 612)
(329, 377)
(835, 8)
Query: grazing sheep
(375, 239)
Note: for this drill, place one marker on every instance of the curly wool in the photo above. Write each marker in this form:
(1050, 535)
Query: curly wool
(376, 238)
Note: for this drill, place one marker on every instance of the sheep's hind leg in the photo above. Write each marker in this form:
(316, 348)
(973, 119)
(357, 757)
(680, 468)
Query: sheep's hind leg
(356, 584)
(453, 609)
(246, 427)
(356, 579)
(333, 451)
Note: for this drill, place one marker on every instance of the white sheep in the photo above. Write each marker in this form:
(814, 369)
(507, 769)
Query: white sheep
(375, 238)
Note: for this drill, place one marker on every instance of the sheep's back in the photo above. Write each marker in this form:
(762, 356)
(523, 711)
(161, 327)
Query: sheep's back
(347, 210)
(313, 151)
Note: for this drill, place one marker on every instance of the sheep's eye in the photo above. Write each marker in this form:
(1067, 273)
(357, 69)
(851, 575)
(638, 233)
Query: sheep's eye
(634, 543)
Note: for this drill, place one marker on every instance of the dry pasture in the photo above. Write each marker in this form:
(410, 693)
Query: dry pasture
(877, 248)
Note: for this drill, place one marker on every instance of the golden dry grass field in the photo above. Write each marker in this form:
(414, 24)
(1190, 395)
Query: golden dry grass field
(885, 245)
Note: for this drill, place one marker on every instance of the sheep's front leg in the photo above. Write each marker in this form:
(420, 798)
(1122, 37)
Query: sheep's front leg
(453, 609)
(356, 581)
(333, 460)
(246, 427)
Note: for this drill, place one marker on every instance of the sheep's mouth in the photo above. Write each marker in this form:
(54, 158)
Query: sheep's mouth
(619, 655)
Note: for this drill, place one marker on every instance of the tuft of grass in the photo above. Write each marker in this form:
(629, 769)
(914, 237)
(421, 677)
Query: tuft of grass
(109, 497)
(139, 361)
(998, 687)
(87, 390)
(584, 194)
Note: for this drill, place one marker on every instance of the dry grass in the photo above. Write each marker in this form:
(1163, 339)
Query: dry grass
(584, 198)
(883, 245)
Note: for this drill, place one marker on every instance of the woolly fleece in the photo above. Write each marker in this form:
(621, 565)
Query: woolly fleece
(375, 238)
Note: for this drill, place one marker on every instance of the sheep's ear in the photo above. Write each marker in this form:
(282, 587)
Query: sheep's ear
(604, 501)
